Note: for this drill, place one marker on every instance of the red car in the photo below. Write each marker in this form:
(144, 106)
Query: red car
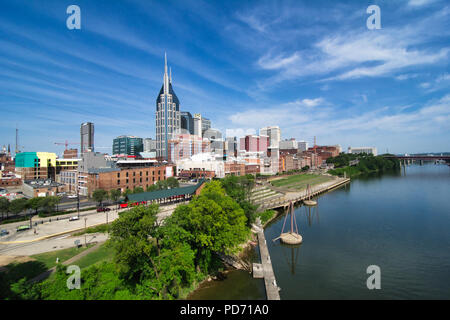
(103, 209)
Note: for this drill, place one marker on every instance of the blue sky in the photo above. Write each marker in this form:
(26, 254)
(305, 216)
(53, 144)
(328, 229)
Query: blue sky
(311, 67)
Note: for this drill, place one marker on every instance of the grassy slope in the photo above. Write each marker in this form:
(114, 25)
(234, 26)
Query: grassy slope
(300, 181)
(49, 258)
(103, 253)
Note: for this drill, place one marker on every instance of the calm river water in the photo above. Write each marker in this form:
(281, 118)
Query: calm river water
(398, 221)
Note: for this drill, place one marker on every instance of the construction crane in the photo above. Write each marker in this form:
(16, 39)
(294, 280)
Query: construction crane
(66, 143)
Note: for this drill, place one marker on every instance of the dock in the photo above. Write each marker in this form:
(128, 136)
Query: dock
(299, 196)
(265, 270)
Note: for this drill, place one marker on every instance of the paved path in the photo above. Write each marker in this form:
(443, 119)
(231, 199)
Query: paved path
(47, 273)
(272, 291)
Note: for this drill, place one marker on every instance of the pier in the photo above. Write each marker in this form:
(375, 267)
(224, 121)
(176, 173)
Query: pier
(299, 196)
(264, 269)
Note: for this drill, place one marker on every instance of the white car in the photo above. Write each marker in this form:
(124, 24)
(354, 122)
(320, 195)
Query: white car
(72, 196)
(74, 218)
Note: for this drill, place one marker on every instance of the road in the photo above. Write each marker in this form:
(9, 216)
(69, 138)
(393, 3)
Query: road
(55, 234)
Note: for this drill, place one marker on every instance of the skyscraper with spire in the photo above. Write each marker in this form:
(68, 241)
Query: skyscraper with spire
(167, 114)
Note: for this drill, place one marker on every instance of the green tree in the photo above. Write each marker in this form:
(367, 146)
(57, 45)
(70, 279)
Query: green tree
(216, 223)
(4, 206)
(151, 188)
(138, 190)
(35, 204)
(172, 182)
(48, 203)
(99, 196)
(239, 188)
(130, 237)
(114, 195)
(16, 206)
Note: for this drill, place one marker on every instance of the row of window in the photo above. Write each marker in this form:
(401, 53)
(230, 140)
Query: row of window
(140, 173)
(140, 180)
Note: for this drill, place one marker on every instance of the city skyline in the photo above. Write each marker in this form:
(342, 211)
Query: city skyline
(323, 73)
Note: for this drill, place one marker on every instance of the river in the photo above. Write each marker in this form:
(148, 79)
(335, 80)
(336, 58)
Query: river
(398, 221)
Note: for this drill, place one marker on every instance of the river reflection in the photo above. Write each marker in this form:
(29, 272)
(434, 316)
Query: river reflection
(398, 221)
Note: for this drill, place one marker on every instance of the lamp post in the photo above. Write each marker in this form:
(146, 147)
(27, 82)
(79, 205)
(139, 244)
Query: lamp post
(85, 219)
(78, 202)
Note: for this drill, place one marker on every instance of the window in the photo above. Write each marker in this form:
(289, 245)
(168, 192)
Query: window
(118, 181)
(127, 175)
(118, 175)
(134, 180)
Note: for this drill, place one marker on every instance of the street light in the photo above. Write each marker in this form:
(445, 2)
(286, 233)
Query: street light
(78, 202)
(85, 219)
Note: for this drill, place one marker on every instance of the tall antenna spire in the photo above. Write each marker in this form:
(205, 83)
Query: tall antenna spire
(170, 77)
(166, 76)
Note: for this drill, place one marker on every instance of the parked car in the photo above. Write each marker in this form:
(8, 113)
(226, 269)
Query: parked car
(103, 209)
(23, 228)
(74, 218)
(72, 196)
(4, 232)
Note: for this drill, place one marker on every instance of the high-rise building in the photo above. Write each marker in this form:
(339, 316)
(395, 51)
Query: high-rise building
(302, 146)
(231, 146)
(206, 124)
(198, 124)
(288, 144)
(149, 145)
(253, 143)
(129, 145)
(274, 134)
(87, 137)
(184, 146)
(167, 115)
(187, 122)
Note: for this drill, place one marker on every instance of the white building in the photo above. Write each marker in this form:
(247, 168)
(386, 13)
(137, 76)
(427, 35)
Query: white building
(198, 124)
(368, 150)
(202, 161)
(302, 146)
(274, 134)
(288, 144)
(149, 145)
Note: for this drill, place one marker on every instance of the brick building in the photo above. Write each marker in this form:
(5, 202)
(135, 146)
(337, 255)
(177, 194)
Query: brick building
(234, 168)
(122, 178)
(252, 168)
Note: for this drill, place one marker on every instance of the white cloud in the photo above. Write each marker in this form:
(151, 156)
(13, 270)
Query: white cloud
(419, 3)
(303, 123)
(350, 54)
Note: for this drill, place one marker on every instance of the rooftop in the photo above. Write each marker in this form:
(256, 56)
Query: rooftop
(162, 194)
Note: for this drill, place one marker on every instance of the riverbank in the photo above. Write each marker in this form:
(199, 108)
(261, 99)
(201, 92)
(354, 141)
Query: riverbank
(395, 220)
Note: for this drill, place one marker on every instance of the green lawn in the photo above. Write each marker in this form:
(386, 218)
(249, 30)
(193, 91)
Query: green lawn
(300, 181)
(103, 253)
(49, 258)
